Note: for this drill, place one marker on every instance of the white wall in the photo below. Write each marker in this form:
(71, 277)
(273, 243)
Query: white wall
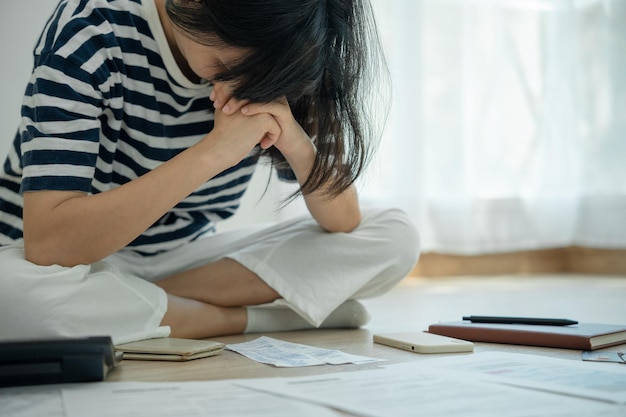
(21, 23)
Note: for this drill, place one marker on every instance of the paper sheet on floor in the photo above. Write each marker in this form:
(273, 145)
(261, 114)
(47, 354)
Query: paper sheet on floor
(151, 399)
(449, 386)
(408, 391)
(35, 401)
(188, 399)
(286, 354)
(601, 381)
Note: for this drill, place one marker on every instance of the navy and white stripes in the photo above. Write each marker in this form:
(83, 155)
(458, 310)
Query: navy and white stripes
(107, 103)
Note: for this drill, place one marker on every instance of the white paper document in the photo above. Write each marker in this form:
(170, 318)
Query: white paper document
(583, 379)
(479, 385)
(410, 392)
(32, 401)
(286, 354)
(184, 399)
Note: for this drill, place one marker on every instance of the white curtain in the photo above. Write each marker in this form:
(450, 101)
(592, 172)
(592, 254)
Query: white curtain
(508, 125)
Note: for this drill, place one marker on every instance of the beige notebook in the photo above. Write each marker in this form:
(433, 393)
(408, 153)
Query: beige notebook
(169, 349)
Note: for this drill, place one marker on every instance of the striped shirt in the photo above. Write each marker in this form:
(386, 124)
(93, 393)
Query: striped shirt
(107, 103)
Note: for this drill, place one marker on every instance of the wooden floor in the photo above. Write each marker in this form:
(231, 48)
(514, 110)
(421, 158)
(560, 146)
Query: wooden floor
(412, 306)
(565, 260)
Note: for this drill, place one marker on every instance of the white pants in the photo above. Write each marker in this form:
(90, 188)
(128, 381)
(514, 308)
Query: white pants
(313, 271)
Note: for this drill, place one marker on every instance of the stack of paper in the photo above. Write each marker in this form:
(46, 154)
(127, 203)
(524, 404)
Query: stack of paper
(478, 385)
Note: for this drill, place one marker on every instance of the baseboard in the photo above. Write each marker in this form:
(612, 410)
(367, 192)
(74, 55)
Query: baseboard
(560, 260)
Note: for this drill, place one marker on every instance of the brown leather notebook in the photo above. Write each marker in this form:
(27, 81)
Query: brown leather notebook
(582, 336)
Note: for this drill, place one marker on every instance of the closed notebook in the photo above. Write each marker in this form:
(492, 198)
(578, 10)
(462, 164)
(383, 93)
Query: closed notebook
(582, 336)
(170, 349)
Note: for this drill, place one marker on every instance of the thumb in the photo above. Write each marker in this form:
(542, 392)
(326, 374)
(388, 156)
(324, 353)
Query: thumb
(271, 136)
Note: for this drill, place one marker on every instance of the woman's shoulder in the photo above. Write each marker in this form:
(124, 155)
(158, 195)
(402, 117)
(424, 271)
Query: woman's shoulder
(101, 23)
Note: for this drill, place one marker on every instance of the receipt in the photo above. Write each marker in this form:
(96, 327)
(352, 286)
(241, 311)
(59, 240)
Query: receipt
(286, 354)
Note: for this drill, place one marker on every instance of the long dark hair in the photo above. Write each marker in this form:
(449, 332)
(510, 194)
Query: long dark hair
(322, 55)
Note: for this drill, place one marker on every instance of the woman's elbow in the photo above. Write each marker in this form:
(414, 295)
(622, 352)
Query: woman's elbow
(46, 252)
(345, 225)
(38, 253)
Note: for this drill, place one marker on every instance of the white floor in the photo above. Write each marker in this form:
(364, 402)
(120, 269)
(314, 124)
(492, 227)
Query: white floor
(417, 302)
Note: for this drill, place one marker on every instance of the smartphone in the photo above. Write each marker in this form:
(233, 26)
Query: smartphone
(423, 342)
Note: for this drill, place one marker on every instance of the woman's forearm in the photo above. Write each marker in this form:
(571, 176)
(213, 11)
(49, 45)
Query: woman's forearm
(340, 213)
(69, 228)
(337, 214)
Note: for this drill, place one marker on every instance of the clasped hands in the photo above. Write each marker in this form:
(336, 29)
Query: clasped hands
(277, 128)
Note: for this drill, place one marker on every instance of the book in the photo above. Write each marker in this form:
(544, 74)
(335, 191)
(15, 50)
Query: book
(581, 336)
(170, 349)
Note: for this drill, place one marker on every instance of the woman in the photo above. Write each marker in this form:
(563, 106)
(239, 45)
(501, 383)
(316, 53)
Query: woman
(141, 127)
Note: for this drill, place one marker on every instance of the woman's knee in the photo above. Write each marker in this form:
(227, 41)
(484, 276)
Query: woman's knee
(396, 249)
(28, 299)
(85, 300)
(399, 239)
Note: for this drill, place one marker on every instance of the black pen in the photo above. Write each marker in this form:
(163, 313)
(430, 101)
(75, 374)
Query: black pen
(520, 320)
